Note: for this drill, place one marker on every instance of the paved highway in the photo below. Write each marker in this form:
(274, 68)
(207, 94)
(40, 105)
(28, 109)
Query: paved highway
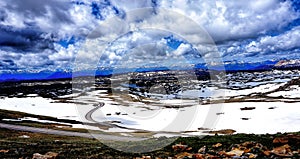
(69, 133)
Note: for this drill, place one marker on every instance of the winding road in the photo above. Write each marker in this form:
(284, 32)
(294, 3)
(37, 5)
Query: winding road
(88, 116)
(69, 133)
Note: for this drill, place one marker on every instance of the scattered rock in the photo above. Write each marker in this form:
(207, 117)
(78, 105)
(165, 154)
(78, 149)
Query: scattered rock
(53, 154)
(247, 108)
(296, 152)
(48, 155)
(272, 107)
(4, 151)
(281, 140)
(24, 136)
(146, 157)
(203, 128)
(251, 155)
(245, 118)
(267, 153)
(202, 150)
(224, 131)
(243, 150)
(198, 156)
(234, 152)
(288, 139)
(181, 147)
(248, 144)
(217, 145)
(183, 155)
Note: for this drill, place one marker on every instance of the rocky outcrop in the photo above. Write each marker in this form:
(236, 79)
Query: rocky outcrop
(283, 151)
(224, 131)
(288, 139)
(243, 150)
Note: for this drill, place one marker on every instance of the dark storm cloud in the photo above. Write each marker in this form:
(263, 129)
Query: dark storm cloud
(39, 8)
(20, 30)
(22, 40)
(3, 15)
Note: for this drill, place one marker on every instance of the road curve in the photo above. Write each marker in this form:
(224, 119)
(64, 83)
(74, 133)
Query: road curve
(69, 133)
(88, 116)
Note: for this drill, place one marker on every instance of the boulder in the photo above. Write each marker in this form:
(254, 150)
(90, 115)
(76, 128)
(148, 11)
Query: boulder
(202, 150)
(252, 155)
(198, 156)
(281, 140)
(183, 155)
(267, 153)
(283, 151)
(180, 147)
(234, 152)
(53, 154)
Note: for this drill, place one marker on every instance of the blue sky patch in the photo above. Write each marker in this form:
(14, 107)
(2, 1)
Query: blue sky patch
(173, 42)
(66, 42)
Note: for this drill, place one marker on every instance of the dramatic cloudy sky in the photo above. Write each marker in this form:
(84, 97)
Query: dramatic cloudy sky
(41, 35)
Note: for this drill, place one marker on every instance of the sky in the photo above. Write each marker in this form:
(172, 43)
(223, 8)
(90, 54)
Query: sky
(50, 35)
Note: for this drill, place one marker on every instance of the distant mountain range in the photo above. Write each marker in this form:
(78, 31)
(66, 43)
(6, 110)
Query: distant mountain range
(228, 66)
(287, 64)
